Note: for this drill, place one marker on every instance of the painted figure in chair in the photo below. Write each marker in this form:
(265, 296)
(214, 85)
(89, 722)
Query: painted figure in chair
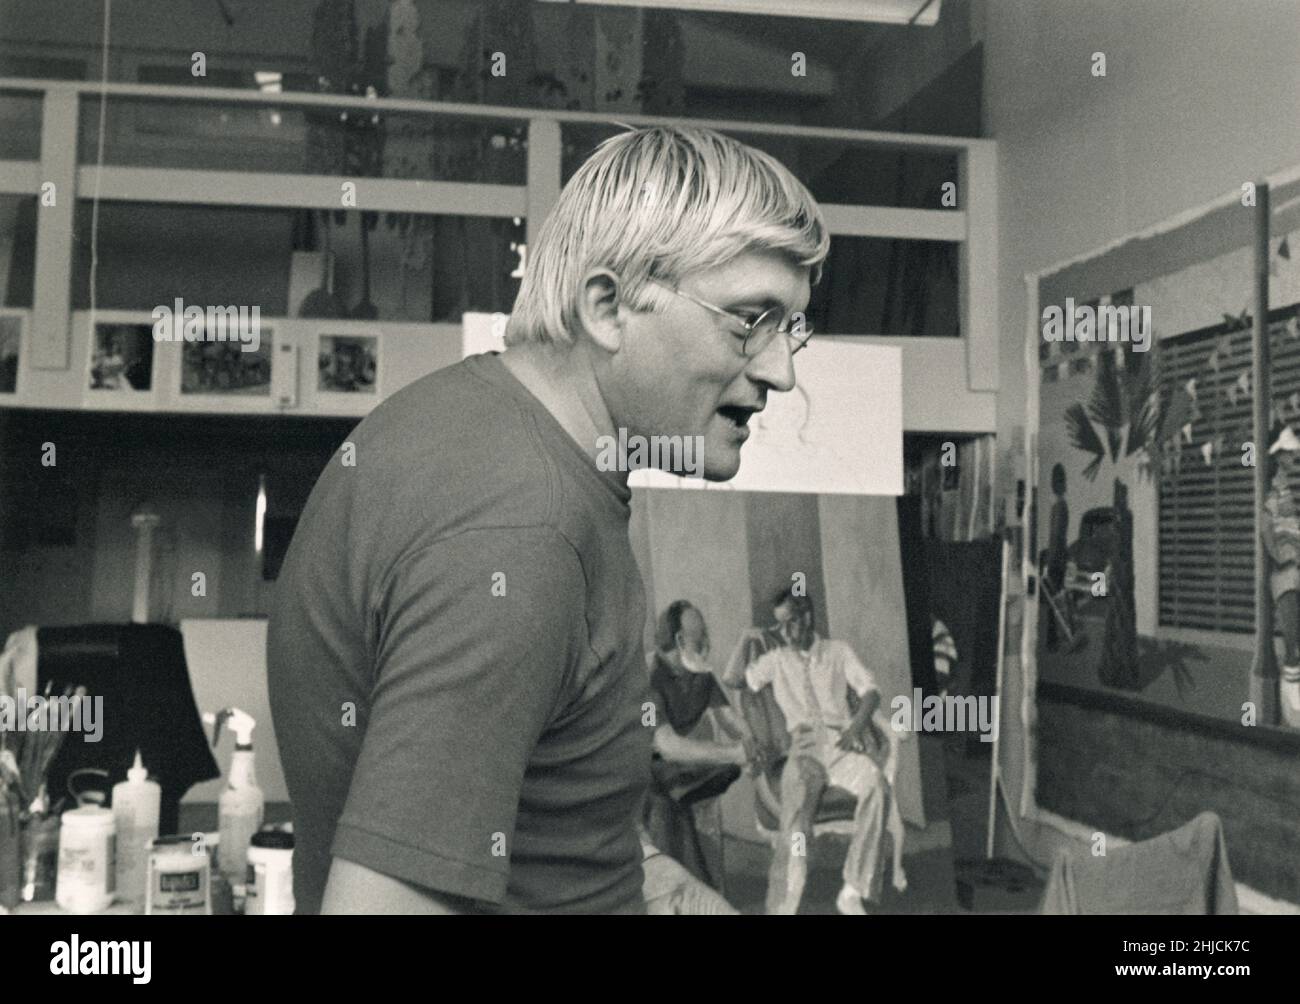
(688, 770)
(831, 745)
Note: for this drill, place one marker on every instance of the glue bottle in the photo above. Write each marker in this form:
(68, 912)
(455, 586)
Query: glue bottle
(239, 810)
(136, 803)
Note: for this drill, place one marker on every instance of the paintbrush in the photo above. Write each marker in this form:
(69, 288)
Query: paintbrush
(54, 742)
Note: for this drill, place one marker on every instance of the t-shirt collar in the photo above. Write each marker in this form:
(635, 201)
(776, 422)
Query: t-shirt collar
(492, 368)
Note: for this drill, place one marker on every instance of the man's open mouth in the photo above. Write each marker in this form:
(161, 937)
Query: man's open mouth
(736, 414)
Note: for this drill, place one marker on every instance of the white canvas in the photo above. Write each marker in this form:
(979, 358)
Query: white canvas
(839, 432)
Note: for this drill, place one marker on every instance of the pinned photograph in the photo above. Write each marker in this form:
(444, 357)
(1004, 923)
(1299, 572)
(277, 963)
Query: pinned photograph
(121, 359)
(348, 364)
(226, 368)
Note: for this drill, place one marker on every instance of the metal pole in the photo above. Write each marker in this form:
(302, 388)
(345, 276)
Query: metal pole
(1004, 598)
(1263, 679)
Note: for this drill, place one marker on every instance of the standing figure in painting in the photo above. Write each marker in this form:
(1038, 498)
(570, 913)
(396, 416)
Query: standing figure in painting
(1119, 656)
(1057, 554)
(1280, 528)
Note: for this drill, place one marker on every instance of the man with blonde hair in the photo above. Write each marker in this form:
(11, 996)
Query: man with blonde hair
(483, 617)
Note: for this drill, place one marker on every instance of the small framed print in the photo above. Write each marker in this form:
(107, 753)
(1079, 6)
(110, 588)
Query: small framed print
(221, 374)
(12, 324)
(121, 365)
(347, 370)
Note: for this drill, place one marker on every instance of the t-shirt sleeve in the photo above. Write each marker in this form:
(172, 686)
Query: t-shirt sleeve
(858, 676)
(474, 639)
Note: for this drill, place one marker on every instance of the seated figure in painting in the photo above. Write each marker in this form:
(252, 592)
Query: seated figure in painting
(687, 770)
(831, 746)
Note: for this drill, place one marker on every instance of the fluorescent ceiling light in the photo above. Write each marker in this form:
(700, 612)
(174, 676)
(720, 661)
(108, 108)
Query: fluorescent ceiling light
(925, 12)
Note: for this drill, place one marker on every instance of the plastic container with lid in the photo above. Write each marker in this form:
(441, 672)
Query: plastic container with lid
(270, 874)
(87, 864)
(178, 878)
(136, 803)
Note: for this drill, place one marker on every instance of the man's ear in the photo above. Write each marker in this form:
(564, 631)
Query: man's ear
(599, 300)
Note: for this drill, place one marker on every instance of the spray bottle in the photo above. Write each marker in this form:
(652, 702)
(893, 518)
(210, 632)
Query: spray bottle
(136, 803)
(239, 810)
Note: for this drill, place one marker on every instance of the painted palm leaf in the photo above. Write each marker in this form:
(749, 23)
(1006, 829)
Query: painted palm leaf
(1083, 436)
(1106, 406)
(1142, 399)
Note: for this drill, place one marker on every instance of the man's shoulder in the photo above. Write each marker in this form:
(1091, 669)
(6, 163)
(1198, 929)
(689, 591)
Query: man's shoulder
(453, 409)
(773, 658)
(458, 444)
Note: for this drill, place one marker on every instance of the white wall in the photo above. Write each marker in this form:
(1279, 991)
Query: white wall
(1199, 97)
(227, 661)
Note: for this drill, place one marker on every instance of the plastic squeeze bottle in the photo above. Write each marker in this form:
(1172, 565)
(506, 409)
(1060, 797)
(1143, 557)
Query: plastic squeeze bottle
(240, 808)
(136, 804)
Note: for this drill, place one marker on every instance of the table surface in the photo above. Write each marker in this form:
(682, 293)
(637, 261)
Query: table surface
(195, 817)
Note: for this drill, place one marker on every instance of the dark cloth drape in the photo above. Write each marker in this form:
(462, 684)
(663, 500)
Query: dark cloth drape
(148, 705)
(965, 589)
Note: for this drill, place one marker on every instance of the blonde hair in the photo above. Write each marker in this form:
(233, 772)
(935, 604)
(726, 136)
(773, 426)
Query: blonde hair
(661, 202)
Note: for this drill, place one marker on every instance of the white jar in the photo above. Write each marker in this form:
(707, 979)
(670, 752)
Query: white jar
(270, 874)
(86, 860)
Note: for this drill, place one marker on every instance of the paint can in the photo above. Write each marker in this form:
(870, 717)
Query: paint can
(178, 877)
(86, 860)
(270, 874)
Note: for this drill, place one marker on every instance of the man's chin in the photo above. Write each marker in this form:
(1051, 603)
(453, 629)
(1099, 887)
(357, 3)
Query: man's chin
(721, 459)
(724, 471)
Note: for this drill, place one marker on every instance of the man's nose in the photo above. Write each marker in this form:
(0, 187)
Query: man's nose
(774, 366)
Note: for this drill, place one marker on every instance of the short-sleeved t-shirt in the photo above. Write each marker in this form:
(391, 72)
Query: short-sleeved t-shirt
(462, 578)
(682, 697)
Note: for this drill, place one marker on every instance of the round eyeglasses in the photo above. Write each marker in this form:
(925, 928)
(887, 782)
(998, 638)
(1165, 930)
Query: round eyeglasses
(760, 330)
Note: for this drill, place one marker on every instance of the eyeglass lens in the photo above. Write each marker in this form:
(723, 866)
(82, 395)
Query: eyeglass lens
(768, 324)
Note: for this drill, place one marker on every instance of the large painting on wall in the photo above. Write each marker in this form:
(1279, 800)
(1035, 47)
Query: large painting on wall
(1146, 515)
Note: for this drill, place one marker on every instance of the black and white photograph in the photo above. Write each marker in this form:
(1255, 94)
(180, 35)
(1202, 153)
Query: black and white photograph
(728, 458)
(226, 367)
(348, 364)
(121, 360)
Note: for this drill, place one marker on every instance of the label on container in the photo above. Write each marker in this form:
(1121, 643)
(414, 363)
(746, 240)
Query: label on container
(178, 883)
(86, 879)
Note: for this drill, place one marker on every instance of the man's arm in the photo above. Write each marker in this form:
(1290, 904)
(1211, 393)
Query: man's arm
(677, 748)
(857, 734)
(869, 717)
(727, 722)
(438, 736)
(670, 889)
(734, 675)
(354, 888)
